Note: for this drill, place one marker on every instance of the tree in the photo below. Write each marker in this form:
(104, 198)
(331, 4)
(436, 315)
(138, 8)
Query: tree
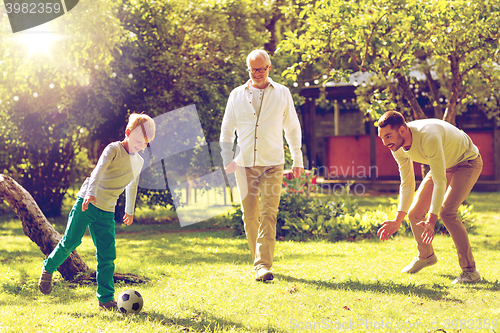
(43, 123)
(188, 52)
(62, 108)
(183, 53)
(59, 110)
(455, 44)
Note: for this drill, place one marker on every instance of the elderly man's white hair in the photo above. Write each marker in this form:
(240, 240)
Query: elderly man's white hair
(257, 53)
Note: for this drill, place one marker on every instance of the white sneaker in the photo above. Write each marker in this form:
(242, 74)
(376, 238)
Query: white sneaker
(417, 264)
(468, 277)
(263, 274)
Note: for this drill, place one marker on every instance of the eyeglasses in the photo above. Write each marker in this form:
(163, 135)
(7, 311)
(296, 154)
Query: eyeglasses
(259, 70)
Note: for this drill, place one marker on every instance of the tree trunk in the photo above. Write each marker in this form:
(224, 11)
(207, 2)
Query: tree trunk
(424, 168)
(418, 113)
(39, 230)
(451, 110)
(433, 88)
(270, 46)
(410, 96)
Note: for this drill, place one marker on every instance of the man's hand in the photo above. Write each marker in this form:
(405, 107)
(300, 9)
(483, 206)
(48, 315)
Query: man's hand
(429, 226)
(128, 219)
(297, 171)
(387, 229)
(86, 200)
(391, 226)
(230, 167)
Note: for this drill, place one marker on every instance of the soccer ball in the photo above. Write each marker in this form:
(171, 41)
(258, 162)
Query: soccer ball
(130, 301)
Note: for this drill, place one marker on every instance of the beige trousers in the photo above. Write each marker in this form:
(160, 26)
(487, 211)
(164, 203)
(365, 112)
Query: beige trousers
(260, 218)
(460, 180)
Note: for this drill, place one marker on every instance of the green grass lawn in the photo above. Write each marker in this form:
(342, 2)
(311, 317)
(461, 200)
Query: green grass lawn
(203, 281)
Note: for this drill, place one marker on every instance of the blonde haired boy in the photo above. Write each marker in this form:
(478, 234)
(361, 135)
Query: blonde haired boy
(117, 170)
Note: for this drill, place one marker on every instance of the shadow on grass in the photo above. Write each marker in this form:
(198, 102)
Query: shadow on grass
(205, 247)
(434, 293)
(6, 231)
(197, 321)
(62, 293)
(484, 284)
(8, 257)
(195, 247)
(492, 245)
(167, 225)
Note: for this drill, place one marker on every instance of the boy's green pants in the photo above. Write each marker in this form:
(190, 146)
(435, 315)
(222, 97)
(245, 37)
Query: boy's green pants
(102, 229)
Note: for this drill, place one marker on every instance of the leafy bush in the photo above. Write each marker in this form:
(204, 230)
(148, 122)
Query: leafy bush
(303, 216)
(465, 214)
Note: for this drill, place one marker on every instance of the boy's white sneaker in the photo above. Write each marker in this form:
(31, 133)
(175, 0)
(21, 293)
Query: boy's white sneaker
(468, 277)
(417, 264)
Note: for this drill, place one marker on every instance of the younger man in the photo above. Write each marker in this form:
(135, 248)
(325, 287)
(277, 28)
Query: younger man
(118, 168)
(455, 166)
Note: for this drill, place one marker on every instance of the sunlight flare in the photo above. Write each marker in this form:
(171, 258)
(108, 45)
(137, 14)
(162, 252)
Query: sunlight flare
(38, 40)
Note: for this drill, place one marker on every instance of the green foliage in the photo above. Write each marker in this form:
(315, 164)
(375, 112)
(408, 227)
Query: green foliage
(44, 124)
(303, 216)
(182, 53)
(188, 52)
(455, 44)
(117, 57)
(288, 156)
(376, 97)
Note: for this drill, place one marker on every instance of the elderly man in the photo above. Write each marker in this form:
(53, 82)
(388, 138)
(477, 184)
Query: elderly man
(455, 166)
(259, 111)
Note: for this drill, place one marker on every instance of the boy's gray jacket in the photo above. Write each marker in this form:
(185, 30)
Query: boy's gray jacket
(115, 171)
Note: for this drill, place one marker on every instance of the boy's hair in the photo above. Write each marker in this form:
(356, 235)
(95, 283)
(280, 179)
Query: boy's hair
(392, 118)
(145, 122)
(256, 53)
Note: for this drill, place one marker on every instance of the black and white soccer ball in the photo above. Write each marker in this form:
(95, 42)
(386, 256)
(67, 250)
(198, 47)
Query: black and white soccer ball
(130, 301)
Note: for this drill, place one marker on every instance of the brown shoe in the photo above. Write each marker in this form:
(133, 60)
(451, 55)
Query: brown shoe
(111, 305)
(45, 282)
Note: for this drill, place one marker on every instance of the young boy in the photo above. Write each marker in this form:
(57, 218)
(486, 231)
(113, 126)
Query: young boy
(118, 168)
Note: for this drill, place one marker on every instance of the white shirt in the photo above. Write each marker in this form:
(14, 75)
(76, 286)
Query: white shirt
(260, 137)
(256, 95)
(440, 145)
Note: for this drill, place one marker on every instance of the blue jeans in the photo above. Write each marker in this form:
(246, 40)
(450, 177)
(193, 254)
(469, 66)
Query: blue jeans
(102, 229)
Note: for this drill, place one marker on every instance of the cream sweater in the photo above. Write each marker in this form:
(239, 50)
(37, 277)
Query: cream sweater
(438, 144)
